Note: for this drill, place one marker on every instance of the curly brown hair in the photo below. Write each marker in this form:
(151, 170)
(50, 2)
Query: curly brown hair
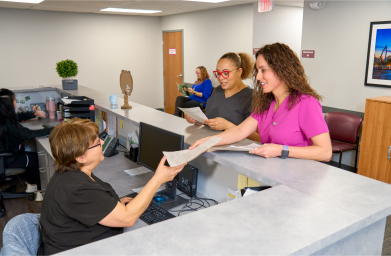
(204, 75)
(286, 65)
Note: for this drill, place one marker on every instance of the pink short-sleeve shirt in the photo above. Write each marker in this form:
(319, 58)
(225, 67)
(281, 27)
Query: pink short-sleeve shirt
(293, 127)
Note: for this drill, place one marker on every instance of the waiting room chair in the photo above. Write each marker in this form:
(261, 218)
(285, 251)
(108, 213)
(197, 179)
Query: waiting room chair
(203, 104)
(22, 235)
(344, 136)
(8, 172)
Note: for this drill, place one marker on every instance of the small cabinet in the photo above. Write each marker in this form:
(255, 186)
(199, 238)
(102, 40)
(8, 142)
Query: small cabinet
(375, 150)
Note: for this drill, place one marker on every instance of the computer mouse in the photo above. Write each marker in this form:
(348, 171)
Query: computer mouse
(160, 198)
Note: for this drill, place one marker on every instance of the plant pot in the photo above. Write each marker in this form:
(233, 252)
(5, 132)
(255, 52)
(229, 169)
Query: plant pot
(69, 84)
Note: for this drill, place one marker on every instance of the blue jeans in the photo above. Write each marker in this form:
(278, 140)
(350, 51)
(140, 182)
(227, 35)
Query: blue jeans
(22, 235)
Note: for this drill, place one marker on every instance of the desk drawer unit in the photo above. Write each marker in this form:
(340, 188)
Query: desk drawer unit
(43, 167)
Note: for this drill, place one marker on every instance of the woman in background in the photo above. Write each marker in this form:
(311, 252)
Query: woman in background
(286, 110)
(12, 137)
(230, 103)
(200, 92)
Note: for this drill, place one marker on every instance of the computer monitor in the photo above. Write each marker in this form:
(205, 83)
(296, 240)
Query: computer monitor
(152, 142)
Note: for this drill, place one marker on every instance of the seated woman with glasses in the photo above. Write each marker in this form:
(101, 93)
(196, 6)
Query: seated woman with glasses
(79, 208)
(13, 136)
(200, 92)
(230, 103)
(286, 110)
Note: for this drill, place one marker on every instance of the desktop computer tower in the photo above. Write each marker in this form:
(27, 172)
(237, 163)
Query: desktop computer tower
(188, 180)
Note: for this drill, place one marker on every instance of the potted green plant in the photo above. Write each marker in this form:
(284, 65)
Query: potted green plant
(68, 69)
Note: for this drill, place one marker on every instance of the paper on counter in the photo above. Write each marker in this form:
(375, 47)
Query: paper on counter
(195, 113)
(138, 190)
(248, 147)
(176, 158)
(137, 171)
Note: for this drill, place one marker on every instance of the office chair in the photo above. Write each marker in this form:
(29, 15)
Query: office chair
(22, 235)
(203, 104)
(8, 172)
(344, 136)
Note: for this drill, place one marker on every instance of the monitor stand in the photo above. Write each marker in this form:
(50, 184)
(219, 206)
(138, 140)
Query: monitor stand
(173, 200)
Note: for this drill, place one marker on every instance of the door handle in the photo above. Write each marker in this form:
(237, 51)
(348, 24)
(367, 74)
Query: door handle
(389, 151)
(180, 76)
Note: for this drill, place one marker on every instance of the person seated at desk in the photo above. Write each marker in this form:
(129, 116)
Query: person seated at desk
(13, 135)
(200, 92)
(286, 110)
(79, 208)
(230, 103)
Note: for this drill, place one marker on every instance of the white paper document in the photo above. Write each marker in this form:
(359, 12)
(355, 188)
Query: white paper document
(234, 147)
(137, 171)
(68, 101)
(195, 113)
(112, 125)
(176, 158)
(138, 190)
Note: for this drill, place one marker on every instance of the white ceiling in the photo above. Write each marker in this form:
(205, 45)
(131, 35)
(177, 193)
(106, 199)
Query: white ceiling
(167, 7)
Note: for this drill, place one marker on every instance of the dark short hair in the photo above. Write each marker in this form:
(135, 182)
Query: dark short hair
(70, 140)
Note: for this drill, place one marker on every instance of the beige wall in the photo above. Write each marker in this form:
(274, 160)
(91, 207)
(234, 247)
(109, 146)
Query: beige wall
(339, 35)
(208, 34)
(102, 45)
(283, 24)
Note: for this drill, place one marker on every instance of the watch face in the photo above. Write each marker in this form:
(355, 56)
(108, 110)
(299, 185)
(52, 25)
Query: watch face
(284, 154)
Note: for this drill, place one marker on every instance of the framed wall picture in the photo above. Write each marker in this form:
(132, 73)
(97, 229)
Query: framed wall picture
(378, 71)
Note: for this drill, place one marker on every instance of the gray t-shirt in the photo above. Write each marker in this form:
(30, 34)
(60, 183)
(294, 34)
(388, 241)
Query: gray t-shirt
(234, 109)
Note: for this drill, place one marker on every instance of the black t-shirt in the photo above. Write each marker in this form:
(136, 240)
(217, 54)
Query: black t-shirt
(234, 109)
(71, 210)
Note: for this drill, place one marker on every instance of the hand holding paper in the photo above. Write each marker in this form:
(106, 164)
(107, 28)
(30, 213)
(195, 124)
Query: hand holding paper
(176, 158)
(195, 113)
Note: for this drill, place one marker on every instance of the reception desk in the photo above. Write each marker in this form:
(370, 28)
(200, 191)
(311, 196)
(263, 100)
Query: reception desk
(313, 208)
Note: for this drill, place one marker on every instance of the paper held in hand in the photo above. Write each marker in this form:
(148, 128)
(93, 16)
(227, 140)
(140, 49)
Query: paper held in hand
(237, 147)
(176, 158)
(195, 113)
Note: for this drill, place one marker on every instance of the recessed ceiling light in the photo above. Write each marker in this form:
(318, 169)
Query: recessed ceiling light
(128, 10)
(209, 1)
(23, 1)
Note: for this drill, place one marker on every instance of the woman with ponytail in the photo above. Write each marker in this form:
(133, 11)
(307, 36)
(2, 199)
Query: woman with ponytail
(12, 137)
(286, 110)
(230, 103)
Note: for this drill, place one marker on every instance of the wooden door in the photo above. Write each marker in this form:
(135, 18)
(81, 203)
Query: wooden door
(173, 68)
(376, 140)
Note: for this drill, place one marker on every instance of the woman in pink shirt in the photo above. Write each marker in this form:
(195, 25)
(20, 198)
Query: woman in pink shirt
(286, 110)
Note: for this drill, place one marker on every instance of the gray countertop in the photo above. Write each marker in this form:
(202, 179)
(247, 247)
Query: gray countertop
(311, 205)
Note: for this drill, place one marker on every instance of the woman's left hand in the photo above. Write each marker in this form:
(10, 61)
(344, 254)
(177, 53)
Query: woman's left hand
(218, 124)
(268, 150)
(125, 200)
(190, 90)
(40, 114)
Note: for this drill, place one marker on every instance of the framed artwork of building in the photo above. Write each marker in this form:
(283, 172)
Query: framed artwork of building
(378, 69)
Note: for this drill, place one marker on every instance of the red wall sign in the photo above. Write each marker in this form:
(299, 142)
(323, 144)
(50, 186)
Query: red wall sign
(265, 5)
(308, 54)
(255, 50)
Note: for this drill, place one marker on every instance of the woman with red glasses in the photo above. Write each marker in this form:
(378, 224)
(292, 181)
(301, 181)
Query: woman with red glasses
(200, 92)
(230, 103)
(286, 110)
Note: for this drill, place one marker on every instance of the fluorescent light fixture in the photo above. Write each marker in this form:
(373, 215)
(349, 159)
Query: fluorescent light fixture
(128, 10)
(23, 1)
(209, 1)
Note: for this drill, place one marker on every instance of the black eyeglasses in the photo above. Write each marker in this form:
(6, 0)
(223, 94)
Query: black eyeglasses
(95, 145)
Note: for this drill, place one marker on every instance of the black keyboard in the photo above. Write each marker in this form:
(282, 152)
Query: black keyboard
(154, 213)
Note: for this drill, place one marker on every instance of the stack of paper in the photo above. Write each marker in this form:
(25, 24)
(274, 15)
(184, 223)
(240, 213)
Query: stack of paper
(137, 171)
(233, 147)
